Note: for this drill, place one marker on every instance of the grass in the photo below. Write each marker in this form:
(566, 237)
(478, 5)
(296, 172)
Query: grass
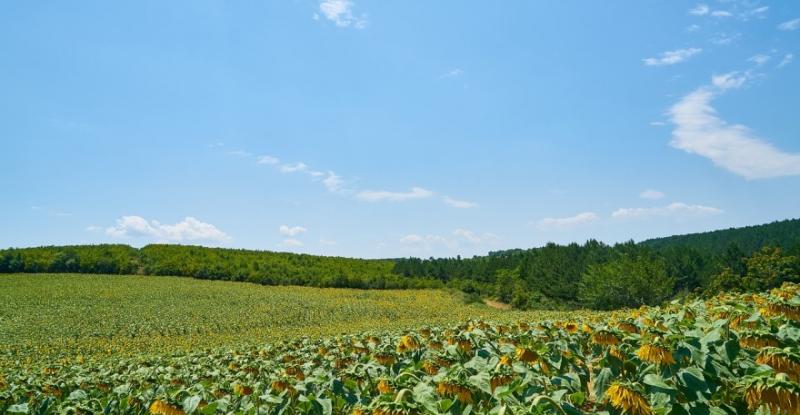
(46, 317)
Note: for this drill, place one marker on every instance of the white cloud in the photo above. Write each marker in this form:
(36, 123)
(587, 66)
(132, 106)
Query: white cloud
(265, 159)
(759, 11)
(293, 168)
(700, 10)
(651, 194)
(189, 229)
(759, 59)
(341, 13)
(460, 204)
(386, 196)
(730, 80)
(291, 230)
(672, 57)
(721, 39)
(568, 222)
(787, 59)
(698, 130)
(673, 210)
(333, 182)
(790, 25)
(692, 28)
(721, 13)
(290, 242)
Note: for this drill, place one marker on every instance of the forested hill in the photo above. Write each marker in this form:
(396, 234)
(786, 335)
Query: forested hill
(785, 233)
(592, 274)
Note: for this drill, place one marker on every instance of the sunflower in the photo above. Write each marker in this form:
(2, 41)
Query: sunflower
(626, 399)
(616, 352)
(758, 340)
(296, 372)
(358, 411)
(407, 343)
(627, 327)
(435, 345)
(527, 356)
(781, 309)
(778, 395)
(505, 361)
(782, 360)
(159, 407)
(384, 358)
(605, 338)
(430, 367)
(240, 389)
(384, 387)
(655, 354)
(571, 328)
(500, 380)
(460, 392)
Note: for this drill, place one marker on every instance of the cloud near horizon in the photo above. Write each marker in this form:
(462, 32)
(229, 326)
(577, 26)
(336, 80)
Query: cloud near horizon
(189, 229)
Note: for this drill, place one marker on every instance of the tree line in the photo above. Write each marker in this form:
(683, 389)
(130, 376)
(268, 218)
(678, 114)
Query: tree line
(592, 274)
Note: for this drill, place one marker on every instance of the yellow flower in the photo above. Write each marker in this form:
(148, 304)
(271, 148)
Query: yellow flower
(779, 397)
(240, 389)
(505, 361)
(605, 338)
(616, 352)
(655, 354)
(461, 393)
(628, 400)
(628, 327)
(758, 341)
(527, 356)
(786, 310)
(781, 361)
(159, 407)
(384, 387)
(430, 367)
(500, 380)
(571, 327)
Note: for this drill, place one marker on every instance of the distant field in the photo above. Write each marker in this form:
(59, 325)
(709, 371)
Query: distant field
(48, 316)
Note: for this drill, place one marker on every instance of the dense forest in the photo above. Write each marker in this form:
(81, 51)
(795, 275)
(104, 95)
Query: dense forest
(592, 274)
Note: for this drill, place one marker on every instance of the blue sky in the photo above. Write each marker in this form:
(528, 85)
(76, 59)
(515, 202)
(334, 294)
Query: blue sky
(384, 129)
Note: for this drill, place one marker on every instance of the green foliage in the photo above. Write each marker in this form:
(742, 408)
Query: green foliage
(626, 281)
(765, 269)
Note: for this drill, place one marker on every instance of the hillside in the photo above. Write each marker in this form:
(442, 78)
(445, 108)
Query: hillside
(552, 276)
(785, 233)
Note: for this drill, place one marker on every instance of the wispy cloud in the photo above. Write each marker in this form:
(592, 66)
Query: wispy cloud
(266, 159)
(759, 59)
(293, 168)
(453, 73)
(672, 57)
(700, 10)
(787, 59)
(460, 204)
(698, 130)
(677, 209)
(790, 25)
(721, 13)
(652, 194)
(567, 222)
(722, 39)
(387, 196)
(291, 230)
(189, 229)
(341, 13)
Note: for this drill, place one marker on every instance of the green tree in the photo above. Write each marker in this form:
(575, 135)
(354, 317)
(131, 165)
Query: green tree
(626, 281)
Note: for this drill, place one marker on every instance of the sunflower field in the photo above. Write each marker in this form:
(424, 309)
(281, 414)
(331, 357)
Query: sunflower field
(732, 354)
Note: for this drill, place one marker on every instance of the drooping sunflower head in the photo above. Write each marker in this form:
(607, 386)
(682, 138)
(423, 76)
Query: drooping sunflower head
(757, 340)
(782, 360)
(384, 386)
(781, 309)
(653, 353)
(625, 398)
(605, 338)
(627, 326)
(776, 394)
(461, 392)
(526, 355)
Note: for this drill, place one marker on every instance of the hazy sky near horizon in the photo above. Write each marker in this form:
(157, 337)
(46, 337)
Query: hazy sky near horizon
(394, 128)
